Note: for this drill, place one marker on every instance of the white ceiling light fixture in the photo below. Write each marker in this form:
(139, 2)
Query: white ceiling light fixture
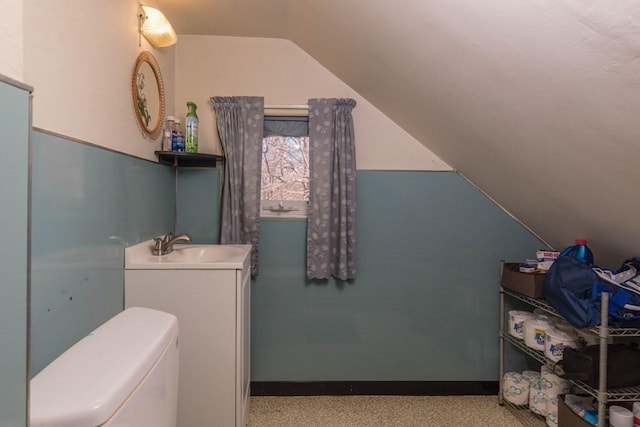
(155, 27)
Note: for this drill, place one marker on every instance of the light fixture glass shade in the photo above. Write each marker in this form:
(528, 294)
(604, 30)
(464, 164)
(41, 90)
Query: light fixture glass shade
(157, 29)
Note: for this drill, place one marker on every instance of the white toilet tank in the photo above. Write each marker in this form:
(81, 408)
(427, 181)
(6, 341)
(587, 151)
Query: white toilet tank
(125, 373)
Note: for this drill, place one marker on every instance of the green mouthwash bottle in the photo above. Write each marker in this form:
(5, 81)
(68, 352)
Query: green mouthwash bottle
(191, 129)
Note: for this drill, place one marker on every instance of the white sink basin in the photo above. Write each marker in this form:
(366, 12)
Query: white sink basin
(204, 253)
(139, 257)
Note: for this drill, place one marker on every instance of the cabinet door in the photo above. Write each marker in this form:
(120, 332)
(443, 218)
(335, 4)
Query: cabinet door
(205, 303)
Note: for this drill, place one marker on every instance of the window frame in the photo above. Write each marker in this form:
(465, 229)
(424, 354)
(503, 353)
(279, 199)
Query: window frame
(284, 208)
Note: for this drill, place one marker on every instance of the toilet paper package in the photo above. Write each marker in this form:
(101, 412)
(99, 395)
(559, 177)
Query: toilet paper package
(538, 398)
(545, 316)
(552, 411)
(531, 375)
(540, 312)
(636, 414)
(552, 384)
(534, 333)
(515, 388)
(555, 342)
(516, 322)
(563, 325)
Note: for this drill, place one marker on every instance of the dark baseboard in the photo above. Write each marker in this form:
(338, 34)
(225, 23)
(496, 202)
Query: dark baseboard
(386, 388)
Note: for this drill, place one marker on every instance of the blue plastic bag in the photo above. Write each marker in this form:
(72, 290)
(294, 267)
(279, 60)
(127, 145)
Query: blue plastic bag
(568, 287)
(574, 289)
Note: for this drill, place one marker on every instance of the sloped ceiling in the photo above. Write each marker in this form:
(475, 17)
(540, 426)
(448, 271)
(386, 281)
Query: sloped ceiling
(537, 103)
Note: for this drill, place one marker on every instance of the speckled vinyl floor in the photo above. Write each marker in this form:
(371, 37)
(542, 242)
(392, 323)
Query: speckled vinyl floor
(379, 411)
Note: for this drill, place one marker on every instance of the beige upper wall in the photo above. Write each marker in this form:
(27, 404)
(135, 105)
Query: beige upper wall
(79, 57)
(284, 74)
(82, 81)
(11, 43)
(535, 102)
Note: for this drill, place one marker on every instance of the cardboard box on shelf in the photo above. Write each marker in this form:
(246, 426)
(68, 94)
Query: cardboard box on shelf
(529, 284)
(568, 418)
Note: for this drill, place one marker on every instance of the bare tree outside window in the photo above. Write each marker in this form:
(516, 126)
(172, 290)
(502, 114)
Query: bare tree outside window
(285, 168)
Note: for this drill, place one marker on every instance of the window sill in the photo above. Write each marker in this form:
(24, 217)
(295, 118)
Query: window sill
(282, 219)
(284, 209)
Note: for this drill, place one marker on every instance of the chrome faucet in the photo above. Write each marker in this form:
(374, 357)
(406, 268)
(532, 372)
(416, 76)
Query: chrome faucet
(164, 245)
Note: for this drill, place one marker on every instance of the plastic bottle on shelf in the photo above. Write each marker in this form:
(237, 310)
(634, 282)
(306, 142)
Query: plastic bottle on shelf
(177, 138)
(579, 251)
(191, 129)
(180, 137)
(174, 137)
(166, 138)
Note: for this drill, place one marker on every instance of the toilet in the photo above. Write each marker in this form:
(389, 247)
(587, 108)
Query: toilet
(124, 373)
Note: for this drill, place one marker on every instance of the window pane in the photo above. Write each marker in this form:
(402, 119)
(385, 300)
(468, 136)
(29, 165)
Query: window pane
(285, 168)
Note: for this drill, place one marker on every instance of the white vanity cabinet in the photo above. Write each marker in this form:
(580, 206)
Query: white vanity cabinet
(213, 309)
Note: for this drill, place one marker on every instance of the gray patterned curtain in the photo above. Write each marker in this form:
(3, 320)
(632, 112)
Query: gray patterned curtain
(240, 124)
(331, 229)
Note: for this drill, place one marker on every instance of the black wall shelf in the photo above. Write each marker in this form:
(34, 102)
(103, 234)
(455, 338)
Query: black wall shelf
(189, 160)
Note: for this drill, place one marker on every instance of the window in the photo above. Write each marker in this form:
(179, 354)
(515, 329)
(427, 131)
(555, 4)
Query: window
(285, 167)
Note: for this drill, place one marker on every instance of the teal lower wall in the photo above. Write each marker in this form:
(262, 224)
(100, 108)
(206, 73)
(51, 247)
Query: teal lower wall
(14, 188)
(87, 205)
(424, 306)
(198, 204)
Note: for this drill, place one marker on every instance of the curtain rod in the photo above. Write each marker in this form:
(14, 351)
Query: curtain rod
(286, 107)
